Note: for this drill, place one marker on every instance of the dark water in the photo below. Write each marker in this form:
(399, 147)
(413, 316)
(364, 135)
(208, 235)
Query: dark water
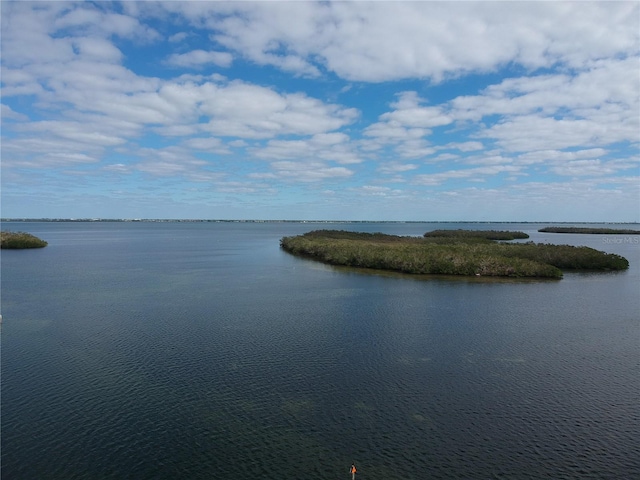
(201, 350)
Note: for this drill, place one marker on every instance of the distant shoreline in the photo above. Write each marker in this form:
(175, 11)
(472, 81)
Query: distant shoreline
(199, 220)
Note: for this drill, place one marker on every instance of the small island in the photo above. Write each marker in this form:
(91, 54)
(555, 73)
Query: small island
(462, 253)
(20, 240)
(487, 234)
(598, 231)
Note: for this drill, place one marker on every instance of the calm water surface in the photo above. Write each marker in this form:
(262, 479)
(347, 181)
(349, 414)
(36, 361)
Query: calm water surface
(201, 350)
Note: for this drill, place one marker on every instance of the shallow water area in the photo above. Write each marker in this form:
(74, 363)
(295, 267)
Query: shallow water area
(201, 350)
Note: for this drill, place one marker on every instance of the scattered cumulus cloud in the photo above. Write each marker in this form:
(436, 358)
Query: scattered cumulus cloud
(386, 41)
(307, 171)
(475, 174)
(416, 102)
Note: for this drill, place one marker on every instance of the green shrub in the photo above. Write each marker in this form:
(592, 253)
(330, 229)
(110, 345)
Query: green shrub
(568, 257)
(17, 240)
(487, 234)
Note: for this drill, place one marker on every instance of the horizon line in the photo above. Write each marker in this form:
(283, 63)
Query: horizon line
(239, 220)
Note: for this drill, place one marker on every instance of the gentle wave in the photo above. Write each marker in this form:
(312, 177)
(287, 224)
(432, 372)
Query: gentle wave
(149, 362)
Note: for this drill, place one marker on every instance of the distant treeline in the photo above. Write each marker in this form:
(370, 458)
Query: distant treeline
(17, 240)
(459, 254)
(609, 231)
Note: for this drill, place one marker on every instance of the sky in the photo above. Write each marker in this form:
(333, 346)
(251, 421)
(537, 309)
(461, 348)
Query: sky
(300, 110)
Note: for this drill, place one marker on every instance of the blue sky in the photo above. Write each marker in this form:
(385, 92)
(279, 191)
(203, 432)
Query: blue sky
(424, 111)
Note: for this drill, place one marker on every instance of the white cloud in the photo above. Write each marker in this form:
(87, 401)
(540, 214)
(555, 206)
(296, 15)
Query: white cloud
(210, 144)
(394, 131)
(406, 126)
(396, 167)
(108, 92)
(377, 191)
(80, 95)
(593, 108)
(74, 131)
(200, 58)
(444, 158)
(173, 161)
(46, 152)
(325, 146)
(474, 174)
(488, 158)
(48, 34)
(9, 114)
(266, 35)
(414, 148)
(250, 111)
(382, 41)
(25, 35)
(178, 37)
(607, 82)
(118, 168)
(19, 82)
(583, 168)
(463, 146)
(329, 139)
(243, 187)
(308, 171)
(533, 132)
(86, 20)
(97, 49)
(394, 127)
(409, 112)
(557, 156)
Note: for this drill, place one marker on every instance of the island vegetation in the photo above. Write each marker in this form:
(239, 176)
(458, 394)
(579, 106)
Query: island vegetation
(590, 230)
(460, 254)
(19, 240)
(487, 234)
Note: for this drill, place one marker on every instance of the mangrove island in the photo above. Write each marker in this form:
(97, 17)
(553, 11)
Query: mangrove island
(601, 231)
(462, 253)
(18, 240)
(487, 234)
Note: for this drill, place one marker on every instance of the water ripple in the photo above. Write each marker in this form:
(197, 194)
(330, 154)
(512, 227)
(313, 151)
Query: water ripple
(168, 364)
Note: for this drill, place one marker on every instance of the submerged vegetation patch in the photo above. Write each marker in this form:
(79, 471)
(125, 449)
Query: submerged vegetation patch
(18, 240)
(460, 254)
(602, 231)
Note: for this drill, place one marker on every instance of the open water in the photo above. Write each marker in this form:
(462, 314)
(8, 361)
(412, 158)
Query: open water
(203, 351)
